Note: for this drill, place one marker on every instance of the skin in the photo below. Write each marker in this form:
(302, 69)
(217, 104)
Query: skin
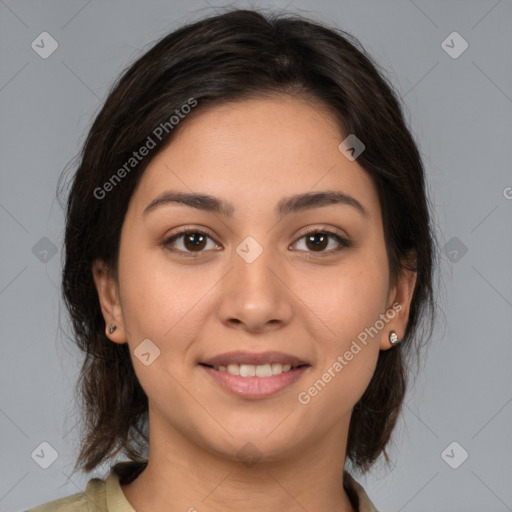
(195, 307)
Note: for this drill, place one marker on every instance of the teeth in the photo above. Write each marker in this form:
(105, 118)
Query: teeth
(251, 370)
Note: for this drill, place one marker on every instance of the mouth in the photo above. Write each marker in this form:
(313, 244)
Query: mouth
(254, 376)
(251, 370)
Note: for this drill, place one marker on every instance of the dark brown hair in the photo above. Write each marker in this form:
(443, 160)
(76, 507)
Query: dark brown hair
(231, 57)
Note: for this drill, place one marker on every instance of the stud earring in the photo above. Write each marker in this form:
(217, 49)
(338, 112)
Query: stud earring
(112, 328)
(393, 337)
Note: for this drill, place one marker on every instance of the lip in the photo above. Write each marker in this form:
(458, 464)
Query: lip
(241, 357)
(254, 387)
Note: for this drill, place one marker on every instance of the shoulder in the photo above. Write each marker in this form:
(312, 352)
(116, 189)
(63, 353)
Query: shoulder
(93, 499)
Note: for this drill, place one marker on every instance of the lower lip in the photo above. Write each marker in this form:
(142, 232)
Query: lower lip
(255, 387)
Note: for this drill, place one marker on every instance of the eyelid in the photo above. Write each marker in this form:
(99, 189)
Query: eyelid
(183, 230)
(322, 229)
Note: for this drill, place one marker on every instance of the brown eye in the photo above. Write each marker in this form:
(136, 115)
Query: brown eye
(193, 241)
(319, 240)
(187, 242)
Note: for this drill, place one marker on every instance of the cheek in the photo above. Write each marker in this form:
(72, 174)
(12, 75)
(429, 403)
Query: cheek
(352, 299)
(162, 306)
(350, 308)
(348, 349)
(158, 302)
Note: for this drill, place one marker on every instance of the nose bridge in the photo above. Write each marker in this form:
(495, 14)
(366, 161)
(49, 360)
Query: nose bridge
(252, 268)
(252, 294)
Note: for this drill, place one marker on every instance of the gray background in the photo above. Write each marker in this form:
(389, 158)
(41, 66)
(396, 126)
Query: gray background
(460, 110)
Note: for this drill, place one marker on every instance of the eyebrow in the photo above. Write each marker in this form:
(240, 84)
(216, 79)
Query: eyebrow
(286, 206)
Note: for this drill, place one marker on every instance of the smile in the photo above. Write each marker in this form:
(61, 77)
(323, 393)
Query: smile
(254, 381)
(251, 370)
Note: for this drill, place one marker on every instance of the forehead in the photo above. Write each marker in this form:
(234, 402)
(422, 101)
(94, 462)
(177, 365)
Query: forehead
(256, 151)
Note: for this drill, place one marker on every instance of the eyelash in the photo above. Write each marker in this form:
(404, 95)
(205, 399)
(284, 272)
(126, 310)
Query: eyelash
(168, 242)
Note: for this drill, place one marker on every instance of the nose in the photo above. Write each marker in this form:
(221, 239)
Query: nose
(256, 296)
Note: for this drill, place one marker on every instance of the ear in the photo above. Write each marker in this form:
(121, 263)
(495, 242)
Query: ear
(106, 286)
(399, 302)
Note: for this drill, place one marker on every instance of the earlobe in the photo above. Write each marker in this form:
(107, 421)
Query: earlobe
(106, 287)
(400, 300)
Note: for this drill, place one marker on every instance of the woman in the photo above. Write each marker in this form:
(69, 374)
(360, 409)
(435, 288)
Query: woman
(249, 254)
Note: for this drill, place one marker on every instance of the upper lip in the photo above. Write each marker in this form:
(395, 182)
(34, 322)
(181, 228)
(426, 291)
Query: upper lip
(240, 357)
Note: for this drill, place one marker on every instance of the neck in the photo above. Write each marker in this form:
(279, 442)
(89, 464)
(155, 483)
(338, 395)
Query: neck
(182, 475)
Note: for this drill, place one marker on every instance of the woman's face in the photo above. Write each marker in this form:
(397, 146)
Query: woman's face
(253, 281)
